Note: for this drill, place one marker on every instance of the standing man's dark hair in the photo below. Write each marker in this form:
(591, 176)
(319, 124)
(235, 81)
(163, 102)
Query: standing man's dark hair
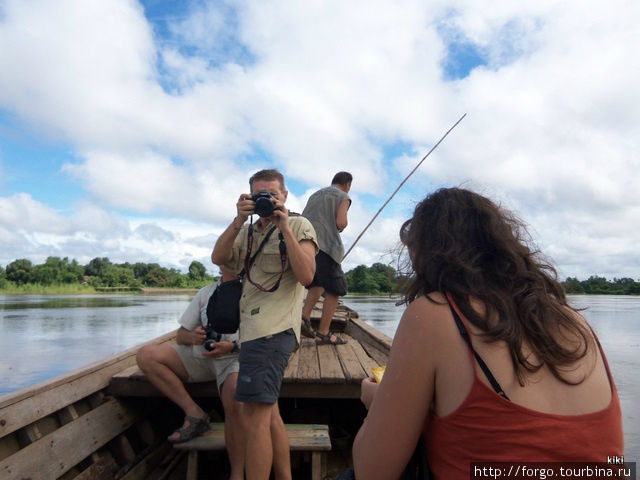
(327, 212)
(342, 178)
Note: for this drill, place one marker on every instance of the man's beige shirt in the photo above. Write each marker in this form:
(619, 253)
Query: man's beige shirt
(263, 313)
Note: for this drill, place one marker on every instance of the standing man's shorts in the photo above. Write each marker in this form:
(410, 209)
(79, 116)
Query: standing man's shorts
(262, 365)
(202, 369)
(329, 275)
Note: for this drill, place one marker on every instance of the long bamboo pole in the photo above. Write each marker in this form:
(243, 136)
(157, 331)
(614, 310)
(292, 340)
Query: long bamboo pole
(402, 183)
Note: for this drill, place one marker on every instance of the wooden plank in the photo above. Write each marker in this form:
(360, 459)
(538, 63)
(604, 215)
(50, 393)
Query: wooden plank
(378, 355)
(365, 360)
(291, 372)
(60, 451)
(148, 464)
(308, 368)
(330, 367)
(28, 405)
(131, 372)
(103, 469)
(302, 437)
(365, 333)
(351, 366)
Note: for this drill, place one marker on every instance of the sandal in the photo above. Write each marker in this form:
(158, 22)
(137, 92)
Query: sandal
(197, 426)
(326, 339)
(306, 329)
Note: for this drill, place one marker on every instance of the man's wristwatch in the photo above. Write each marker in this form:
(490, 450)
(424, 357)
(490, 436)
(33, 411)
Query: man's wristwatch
(236, 347)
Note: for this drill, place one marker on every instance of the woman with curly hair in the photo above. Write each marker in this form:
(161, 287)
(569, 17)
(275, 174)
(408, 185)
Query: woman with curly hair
(489, 362)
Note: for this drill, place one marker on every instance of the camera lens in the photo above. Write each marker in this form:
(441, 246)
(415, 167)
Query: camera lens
(209, 344)
(264, 207)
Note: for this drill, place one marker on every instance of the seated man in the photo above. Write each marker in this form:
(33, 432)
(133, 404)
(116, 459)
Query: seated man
(168, 366)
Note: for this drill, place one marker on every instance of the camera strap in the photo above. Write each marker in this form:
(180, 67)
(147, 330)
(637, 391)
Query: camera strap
(248, 259)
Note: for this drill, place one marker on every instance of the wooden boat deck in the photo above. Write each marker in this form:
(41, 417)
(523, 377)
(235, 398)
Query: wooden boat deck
(314, 371)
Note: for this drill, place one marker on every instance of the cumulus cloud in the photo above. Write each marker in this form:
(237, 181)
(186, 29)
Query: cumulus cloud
(171, 124)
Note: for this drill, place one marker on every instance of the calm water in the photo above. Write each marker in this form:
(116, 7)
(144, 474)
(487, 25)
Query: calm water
(42, 336)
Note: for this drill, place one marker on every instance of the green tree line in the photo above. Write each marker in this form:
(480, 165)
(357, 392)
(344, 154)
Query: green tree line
(380, 279)
(101, 272)
(376, 279)
(595, 285)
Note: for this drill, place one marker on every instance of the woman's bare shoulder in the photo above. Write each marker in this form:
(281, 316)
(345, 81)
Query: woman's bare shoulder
(428, 313)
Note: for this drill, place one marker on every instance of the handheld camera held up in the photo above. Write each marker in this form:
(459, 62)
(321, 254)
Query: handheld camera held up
(264, 206)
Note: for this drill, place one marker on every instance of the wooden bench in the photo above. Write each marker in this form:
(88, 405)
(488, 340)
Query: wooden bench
(302, 438)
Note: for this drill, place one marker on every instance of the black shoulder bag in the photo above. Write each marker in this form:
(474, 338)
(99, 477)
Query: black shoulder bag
(223, 308)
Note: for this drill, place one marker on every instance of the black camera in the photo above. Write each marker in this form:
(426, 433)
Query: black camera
(213, 337)
(264, 206)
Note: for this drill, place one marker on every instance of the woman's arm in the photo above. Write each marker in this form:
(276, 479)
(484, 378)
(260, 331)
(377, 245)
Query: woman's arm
(397, 414)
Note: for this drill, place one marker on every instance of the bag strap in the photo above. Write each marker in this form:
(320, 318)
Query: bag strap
(248, 263)
(250, 246)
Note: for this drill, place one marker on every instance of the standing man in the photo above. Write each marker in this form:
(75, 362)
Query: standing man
(269, 314)
(168, 366)
(327, 212)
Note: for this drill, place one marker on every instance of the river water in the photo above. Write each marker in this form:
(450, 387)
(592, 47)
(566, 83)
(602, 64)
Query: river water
(42, 336)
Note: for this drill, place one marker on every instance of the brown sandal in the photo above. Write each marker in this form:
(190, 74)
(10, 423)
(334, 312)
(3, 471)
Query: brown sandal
(326, 339)
(306, 329)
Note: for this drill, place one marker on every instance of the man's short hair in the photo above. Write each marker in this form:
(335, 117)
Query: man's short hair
(342, 178)
(268, 175)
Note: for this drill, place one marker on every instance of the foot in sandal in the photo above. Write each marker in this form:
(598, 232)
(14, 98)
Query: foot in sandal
(191, 428)
(306, 329)
(329, 339)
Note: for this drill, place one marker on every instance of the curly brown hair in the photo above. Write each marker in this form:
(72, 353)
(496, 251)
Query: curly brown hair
(463, 243)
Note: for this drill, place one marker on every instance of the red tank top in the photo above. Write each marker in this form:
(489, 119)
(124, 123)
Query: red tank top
(489, 428)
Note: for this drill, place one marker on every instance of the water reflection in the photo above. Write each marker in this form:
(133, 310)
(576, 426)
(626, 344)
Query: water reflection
(39, 342)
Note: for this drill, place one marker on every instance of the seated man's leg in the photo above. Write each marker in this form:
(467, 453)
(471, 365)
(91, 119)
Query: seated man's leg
(166, 370)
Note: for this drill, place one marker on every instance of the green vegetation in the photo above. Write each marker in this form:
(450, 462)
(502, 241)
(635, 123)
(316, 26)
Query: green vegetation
(376, 279)
(383, 279)
(61, 275)
(601, 286)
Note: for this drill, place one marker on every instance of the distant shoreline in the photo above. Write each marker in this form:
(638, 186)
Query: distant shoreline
(88, 290)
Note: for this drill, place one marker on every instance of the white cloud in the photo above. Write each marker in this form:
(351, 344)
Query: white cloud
(173, 127)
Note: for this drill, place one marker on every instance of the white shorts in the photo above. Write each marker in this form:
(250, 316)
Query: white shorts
(202, 369)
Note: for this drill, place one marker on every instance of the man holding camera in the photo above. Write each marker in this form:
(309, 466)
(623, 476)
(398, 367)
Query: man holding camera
(270, 310)
(168, 367)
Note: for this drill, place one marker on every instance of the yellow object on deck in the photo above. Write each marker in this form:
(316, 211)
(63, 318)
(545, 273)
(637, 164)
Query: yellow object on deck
(378, 372)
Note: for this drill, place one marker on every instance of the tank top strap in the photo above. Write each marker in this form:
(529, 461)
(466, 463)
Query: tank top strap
(604, 360)
(457, 316)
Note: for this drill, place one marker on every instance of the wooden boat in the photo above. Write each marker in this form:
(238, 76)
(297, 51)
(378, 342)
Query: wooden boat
(106, 421)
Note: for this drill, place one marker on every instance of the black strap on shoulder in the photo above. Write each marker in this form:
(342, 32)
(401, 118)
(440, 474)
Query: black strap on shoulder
(465, 335)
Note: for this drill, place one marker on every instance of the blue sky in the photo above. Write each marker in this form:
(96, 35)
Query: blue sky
(128, 129)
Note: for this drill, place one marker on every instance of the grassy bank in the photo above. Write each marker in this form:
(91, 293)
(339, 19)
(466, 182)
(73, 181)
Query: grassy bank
(36, 289)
